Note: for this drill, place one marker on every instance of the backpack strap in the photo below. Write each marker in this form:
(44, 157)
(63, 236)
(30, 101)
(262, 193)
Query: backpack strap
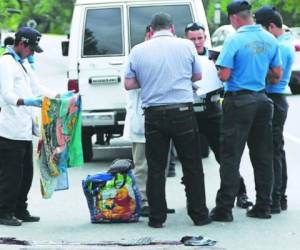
(7, 53)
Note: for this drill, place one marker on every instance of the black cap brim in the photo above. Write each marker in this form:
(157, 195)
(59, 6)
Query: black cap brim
(37, 49)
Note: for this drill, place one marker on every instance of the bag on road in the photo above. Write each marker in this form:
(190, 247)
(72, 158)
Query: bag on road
(113, 196)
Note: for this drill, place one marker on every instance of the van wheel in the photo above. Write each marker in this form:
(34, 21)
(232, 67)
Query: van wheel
(87, 146)
(204, 147)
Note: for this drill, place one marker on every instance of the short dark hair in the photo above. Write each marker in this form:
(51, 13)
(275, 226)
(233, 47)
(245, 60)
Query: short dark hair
(161, 21)
(9, 41)
(268, 14)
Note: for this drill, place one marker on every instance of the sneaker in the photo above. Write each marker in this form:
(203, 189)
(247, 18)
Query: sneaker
(257, 212)
(242, 201)
(283, 203)
(218, 214)
(9, 220)
(26, 217)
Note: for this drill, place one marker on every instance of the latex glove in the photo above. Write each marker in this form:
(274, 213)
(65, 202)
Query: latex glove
(67, 94)
(36, 102)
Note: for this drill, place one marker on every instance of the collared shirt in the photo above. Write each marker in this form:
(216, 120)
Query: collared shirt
(249, 53)
(15, 82)
(287, 52)
(164, 66)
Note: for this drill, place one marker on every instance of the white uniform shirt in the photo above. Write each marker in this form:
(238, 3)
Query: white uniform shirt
(16, 121)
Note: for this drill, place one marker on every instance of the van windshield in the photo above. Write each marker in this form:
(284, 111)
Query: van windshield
(103, 32)
(140, 17)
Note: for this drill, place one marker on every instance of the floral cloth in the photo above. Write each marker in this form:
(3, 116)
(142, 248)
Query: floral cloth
(60, 144)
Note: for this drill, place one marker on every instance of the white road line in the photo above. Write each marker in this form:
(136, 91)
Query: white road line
(292, 137)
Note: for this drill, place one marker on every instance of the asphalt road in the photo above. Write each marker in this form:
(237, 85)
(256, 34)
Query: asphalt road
(65, 217)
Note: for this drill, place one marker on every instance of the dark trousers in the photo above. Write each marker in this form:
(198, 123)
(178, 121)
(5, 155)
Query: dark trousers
(247, 117)
(179, 125)
(16, 172)
(279, 161)
(209, 125)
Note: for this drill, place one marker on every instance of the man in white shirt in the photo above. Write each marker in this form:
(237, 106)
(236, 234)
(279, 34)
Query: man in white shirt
(18, 90)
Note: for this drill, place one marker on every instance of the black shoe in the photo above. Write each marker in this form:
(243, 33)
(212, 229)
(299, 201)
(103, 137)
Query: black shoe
(155, 224)
(242, 201)
(9, 220)
(218, 214)
(170, 211)
(203, 222)
(26, 217)
(257, 212)
(275, 209)
(283, 203)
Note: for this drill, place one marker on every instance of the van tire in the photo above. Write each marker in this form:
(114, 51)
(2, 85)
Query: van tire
(87, 146)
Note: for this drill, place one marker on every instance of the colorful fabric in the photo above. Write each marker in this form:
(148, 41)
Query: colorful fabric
(112, 198)
(60, 145)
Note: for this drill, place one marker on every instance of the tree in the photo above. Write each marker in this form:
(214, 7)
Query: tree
(289, 9)
(51, 16)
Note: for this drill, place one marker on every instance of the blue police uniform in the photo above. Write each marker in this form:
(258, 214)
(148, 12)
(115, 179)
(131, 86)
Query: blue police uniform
(277, 93)
(247, 113)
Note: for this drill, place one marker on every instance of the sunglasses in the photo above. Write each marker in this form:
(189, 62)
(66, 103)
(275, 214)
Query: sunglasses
(194, 26)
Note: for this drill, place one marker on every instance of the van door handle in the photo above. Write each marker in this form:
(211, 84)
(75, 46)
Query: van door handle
(115, 63)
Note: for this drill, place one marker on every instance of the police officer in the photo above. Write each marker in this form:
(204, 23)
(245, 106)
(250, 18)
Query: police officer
(209, 110)
(167, 98)
(244, 62)
(271, 19)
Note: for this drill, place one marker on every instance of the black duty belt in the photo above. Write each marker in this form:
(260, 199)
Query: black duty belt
(243, 92)
(179, 106)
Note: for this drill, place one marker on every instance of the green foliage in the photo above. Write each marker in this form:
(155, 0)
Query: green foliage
(52, 16)
(289, 9)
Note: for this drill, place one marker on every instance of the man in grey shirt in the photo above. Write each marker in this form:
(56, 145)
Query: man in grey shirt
(164, 68)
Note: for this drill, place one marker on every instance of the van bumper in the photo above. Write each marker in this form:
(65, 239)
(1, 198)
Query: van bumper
(93, 119)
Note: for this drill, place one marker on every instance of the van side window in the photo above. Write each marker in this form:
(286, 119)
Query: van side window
(140, 17)
(103, 32)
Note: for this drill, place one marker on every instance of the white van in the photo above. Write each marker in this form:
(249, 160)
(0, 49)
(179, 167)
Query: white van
(101, 37)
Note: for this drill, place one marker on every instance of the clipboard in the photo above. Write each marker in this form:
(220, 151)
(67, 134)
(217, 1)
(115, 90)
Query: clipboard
(210, 80)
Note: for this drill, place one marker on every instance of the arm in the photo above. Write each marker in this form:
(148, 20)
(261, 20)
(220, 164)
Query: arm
(274, 75)
(224, 74)
(131, 83)
(196, 77)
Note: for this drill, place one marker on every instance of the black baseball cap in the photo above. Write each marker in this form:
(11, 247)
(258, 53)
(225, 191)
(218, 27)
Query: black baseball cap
(266, 15)
(237, 6)
(31, 37)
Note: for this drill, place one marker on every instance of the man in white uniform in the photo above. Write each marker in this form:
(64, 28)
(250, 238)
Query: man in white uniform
(18, 91)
